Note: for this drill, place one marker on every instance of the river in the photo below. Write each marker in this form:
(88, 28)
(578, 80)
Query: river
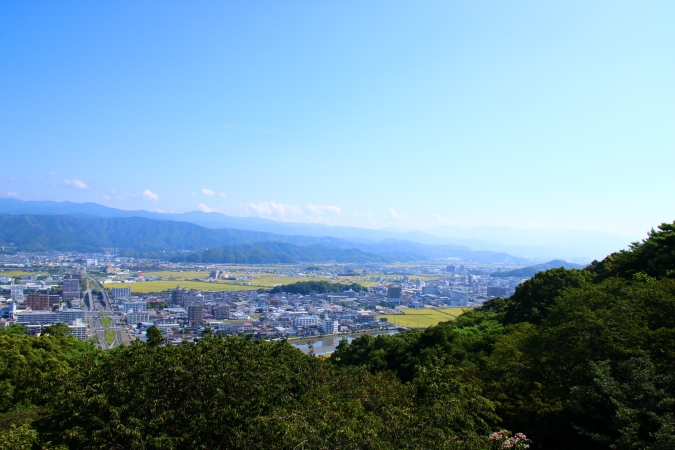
(328, 344)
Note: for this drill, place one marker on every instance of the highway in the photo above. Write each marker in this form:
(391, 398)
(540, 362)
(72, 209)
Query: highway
(103, 305)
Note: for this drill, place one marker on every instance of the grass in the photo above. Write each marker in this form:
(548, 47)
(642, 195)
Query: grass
(424, 317)
(261, 280)
(19, 273)
(161, 286)
(178, 275)
(106, 322)
(109, 336)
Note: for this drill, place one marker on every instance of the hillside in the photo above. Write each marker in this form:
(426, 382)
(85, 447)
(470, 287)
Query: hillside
(529, 272)
(137, 234)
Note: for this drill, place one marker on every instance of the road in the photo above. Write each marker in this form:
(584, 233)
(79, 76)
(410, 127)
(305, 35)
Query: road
(104, 305)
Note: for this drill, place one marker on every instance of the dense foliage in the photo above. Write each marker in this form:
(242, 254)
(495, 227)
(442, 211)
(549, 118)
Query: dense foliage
(316, 287)
(578, 359)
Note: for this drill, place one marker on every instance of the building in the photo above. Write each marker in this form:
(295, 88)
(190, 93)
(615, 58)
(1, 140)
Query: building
(135, 318)
(496, 291)
(306, 321)
(330, 326)
(136, 306)
(192, 299)
(177, 296)
(459, 298)
(222, 312)
(450, 269)
(16, 293)
(196, 313)
(71, 289)
(79, 329)
(37, 301)
(430, 290)
(121, 292)
(394, 291)
(48, 317)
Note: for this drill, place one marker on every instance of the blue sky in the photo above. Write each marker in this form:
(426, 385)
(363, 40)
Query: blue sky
(378, 114)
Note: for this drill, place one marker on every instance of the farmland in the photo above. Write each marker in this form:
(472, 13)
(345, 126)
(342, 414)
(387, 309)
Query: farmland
(424, 317)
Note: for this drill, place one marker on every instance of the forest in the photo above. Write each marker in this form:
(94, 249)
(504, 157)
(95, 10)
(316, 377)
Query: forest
(579, 359)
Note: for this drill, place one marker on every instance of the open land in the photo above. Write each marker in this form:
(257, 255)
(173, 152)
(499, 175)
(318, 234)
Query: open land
(424, 317)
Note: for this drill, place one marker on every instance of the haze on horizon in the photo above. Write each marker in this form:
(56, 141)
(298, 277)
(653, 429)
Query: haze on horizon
(378, 115)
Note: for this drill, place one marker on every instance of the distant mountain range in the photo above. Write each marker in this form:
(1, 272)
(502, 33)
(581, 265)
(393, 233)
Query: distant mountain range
(529, 272)
(533, 245)
(138, 234)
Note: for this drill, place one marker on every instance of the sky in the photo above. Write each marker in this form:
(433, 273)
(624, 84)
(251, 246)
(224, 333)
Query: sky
(552, 115)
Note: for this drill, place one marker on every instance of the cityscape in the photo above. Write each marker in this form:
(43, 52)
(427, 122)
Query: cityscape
(95, 295)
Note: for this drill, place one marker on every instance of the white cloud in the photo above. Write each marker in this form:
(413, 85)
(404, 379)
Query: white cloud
(11, 194)
(204, 208)
(208, 192)
(223, 194)
(318, 209)
(77, 184)
(273, 210)
(106, 197)
(149, 195)
(443, 220)
(394, 215)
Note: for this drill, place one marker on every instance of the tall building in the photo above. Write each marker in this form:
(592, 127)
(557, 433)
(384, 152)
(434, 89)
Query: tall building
(71, 289)
(124, 292)
(450, 269)
(222, 312)
(177, 296)
(394, 291)
(330, 326)
(16, 292)
(196, 313)
(37, 301)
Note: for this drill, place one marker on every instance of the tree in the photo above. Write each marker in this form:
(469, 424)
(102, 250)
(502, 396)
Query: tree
(155, 336)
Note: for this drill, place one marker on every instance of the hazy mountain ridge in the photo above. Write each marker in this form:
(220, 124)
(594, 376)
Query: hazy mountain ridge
(68, 233)
(542, 245)
(529, 272)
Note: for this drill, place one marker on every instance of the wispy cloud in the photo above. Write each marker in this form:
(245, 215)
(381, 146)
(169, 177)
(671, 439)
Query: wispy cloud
(318, 209)
(273, 210)
(149, 195)
(396, 216)
(223, 194)
(10, 194)
(106, 197)
(208, 192)
(205, 208)
(77, 184)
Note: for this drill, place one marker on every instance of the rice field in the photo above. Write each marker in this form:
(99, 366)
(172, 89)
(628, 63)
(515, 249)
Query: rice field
(148, 287)
(423, 317)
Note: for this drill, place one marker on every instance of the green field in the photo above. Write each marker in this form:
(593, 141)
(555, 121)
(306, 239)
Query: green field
(19, 273)
(161, 286)
(174, 274)
(109, 336)
(260, 280)
(424, 317)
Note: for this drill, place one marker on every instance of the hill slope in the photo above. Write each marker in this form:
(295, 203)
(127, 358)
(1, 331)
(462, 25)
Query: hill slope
(528, 272)
(136, 234)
